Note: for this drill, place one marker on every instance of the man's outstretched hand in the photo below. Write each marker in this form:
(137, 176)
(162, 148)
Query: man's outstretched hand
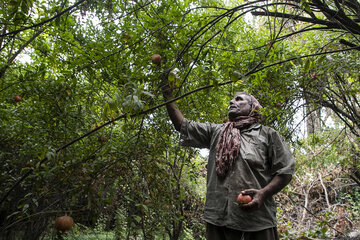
(167, 92)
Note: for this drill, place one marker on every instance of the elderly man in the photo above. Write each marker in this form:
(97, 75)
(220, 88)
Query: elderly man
(245, 157)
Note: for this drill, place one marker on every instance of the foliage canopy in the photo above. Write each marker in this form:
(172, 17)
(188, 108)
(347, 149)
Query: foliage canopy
(90, 136)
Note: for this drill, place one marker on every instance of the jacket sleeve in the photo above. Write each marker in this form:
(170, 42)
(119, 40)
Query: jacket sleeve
(194, 134)
(282, 160)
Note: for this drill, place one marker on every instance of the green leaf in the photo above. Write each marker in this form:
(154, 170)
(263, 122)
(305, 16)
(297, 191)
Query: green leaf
(25, 207)
(137, 218)
(305, 5)
(112, 105)
(321, 59)
(307, 65)
(148, 94)
(235, 76)
(171, 78)
(106, 111)
(50, 155)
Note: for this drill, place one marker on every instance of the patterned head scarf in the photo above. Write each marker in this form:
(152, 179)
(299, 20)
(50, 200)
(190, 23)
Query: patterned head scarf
(228, 146)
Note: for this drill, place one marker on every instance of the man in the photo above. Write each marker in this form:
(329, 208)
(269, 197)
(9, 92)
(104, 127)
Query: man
(245, 157)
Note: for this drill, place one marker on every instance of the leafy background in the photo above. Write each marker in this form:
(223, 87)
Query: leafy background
(91, 138)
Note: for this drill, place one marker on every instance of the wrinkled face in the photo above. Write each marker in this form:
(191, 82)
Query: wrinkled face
(239, 106)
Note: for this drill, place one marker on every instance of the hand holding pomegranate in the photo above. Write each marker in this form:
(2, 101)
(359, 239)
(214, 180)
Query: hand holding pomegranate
(251, 199)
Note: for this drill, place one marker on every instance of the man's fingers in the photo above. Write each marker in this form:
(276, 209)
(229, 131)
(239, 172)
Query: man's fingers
(249, 206)
(167, 91)
(248, 192)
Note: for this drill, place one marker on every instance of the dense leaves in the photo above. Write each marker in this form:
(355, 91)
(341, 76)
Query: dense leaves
(90, 137)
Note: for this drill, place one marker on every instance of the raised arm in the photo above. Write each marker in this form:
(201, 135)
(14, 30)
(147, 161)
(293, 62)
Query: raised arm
(175, 115)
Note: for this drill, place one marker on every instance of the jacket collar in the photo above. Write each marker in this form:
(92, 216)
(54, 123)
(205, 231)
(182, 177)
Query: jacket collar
(251, 127)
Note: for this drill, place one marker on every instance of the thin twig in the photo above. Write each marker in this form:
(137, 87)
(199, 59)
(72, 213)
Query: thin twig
(325, 191)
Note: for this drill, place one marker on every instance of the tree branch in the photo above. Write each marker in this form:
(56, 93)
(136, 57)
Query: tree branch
(297, 18)
(43, 22)
(4, 68)
(349, 44)
(344, 20)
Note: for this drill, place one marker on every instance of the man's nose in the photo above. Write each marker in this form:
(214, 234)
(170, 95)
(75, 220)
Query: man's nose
(231, 101)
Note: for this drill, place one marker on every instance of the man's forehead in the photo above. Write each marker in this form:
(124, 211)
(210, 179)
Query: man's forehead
(242, 94)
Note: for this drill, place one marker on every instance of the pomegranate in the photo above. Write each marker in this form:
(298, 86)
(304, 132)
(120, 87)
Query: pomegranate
(63, 223)
(156, 59)
(244, 199)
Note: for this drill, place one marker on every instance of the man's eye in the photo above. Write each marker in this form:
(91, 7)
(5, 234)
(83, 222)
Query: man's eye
(238, 98)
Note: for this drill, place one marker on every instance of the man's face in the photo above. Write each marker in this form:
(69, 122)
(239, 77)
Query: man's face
(239, 106)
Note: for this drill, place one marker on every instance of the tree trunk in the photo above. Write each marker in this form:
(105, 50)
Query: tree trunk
(313, 119)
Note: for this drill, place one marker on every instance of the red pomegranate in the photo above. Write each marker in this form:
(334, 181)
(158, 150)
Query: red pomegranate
(64, 223)
(244, 199)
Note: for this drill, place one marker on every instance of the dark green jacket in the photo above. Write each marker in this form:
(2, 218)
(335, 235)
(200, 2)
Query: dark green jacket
(263, 155)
